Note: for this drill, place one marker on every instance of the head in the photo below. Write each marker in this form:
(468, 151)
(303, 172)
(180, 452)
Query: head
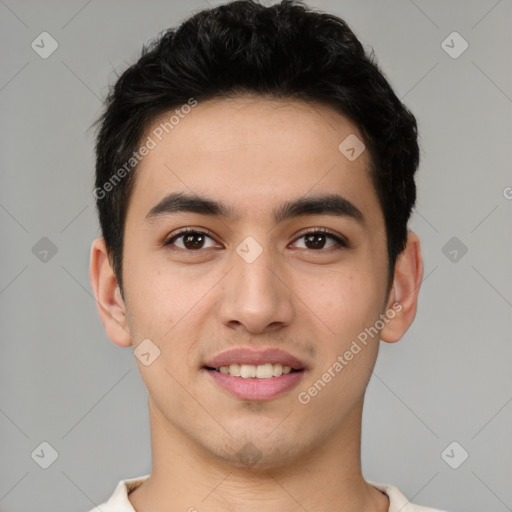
(249, 106)
(285, 52)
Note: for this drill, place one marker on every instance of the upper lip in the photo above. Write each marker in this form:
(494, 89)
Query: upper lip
(255, 357)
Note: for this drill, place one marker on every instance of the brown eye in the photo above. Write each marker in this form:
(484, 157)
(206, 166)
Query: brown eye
(191, 240)
(317, 240)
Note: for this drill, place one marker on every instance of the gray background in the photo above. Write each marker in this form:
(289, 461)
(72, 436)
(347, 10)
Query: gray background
(449, 379)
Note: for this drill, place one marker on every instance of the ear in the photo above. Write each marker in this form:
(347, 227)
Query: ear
(110, 304)
(403, 297)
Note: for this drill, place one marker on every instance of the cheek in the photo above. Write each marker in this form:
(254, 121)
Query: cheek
(152, 301)
(147, 300)
(164, 306)
(344, 302)
(347, 304)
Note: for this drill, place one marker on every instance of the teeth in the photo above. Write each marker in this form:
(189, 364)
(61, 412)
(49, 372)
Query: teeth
(251, 371)
(233, 369)
(247, 371)
(264, 371)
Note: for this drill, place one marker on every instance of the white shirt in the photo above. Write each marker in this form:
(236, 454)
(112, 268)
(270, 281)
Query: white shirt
(119, 502)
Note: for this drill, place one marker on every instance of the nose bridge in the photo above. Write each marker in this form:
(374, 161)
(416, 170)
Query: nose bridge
(256, 297)
(253, 263)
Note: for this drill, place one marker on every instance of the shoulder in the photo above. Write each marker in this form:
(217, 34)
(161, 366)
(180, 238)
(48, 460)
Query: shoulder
(398, 501)
(119, 501)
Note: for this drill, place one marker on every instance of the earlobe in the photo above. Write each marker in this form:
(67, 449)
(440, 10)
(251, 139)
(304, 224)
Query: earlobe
(111, 307)
(403, 298)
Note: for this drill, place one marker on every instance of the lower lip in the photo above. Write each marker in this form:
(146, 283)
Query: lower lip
(256, 389)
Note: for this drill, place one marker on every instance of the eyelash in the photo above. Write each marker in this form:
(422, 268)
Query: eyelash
(342, 243)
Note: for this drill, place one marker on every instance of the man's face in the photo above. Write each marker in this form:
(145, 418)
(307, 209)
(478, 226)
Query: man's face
(249, 281)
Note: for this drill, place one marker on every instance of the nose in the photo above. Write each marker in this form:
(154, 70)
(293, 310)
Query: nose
(256, 295)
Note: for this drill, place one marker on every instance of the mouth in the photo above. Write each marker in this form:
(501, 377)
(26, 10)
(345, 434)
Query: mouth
(252, 375)
(250, 363)
(248, 386)
(251, 371)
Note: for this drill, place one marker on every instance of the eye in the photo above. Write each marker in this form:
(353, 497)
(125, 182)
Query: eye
(191, 239)
(316, 239)
(194, 240)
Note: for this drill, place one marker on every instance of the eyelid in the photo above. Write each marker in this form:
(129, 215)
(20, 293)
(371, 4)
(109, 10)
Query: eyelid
(339, 239)
(184, 231)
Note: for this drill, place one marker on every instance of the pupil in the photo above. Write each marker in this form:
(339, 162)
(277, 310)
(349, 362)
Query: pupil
(318, 239)
(190, 237)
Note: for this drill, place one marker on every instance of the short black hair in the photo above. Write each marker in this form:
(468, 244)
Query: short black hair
(286, 50)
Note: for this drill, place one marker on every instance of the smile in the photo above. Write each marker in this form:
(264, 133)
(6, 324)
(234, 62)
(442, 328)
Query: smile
(246, 384)
(251, 371)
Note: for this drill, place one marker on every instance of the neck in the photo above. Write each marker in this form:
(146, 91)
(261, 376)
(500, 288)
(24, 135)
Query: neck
(327, 477)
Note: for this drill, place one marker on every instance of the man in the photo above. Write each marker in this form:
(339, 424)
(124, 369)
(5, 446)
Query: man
(254, 179)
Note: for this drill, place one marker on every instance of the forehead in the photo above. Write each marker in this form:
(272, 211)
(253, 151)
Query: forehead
(251, 152)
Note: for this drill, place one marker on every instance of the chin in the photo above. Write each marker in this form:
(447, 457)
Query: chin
(257, 450)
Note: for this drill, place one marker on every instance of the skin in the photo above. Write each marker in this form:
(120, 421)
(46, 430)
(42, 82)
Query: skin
(312, 301)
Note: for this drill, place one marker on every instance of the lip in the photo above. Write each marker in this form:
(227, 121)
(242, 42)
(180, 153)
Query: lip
(256, 389)
(256, 357)
(253, 388)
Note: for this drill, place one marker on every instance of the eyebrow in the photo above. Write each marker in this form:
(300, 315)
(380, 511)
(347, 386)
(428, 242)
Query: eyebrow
(330, 204)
